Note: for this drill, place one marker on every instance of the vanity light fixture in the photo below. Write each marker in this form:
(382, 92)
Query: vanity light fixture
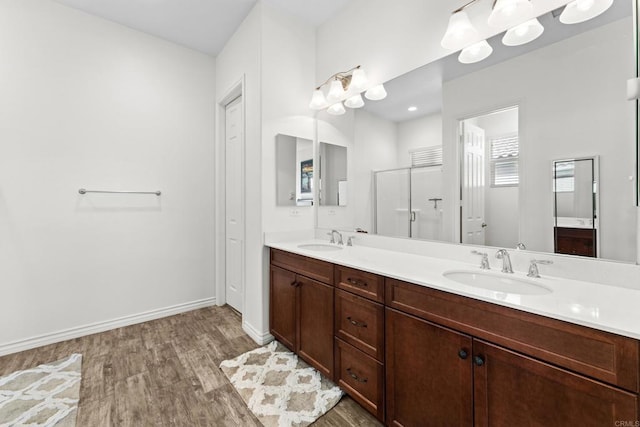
(507, 13)
(582, 10)
(460, 31)
(345, 86)
(475, 53)
(523, 33)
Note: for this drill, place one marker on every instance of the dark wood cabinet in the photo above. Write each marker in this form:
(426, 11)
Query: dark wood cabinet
(301, 308)
(416, 356)
(575, 241)
(282, 313)
(514, 390)
(428, 373)
(361, 377)
(360, 322)
(315, 324)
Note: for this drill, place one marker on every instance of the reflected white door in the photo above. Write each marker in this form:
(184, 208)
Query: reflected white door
(234, 206)
(473, 213)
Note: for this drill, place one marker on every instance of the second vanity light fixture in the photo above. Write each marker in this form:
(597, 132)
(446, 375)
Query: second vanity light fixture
(345, 86)
(515, 16)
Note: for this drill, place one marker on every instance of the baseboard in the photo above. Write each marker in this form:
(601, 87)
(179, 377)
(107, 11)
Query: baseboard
(80, 331)
(261, 338)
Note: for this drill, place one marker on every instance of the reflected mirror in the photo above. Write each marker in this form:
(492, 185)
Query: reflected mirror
(294, 171)
(332, 178)
(462, 152)
(575, 189)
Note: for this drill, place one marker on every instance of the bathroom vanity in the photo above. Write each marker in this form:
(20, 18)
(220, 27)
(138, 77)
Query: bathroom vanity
(414, 354)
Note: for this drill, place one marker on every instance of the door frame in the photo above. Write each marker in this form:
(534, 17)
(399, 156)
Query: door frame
(236, 89)
(458, 150)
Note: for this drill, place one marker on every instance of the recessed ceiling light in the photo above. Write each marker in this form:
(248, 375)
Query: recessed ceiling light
(412, 108)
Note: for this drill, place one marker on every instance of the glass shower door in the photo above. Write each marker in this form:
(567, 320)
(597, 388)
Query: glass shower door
(392, 203)
(426, 203)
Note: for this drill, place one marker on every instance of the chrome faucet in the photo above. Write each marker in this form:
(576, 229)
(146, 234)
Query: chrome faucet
(333, 240)
(533, 267)
(506, 260)
(484, 263)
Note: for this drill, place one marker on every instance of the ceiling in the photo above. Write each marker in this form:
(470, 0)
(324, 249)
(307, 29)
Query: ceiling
(203, 25)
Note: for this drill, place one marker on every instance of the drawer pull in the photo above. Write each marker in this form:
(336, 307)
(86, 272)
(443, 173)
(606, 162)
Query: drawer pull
(295, 283)
(356, 323)
(478, 360)
(355, 377)
(462, 354)
(356, 282)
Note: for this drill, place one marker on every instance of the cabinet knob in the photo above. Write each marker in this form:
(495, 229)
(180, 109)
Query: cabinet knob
(294, 283)
(462, 354)
(356, 282)
(478, 360)
(356, 323)
(355, 377)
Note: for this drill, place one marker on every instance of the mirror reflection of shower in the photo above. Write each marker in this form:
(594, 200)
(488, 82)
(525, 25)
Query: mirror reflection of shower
(407, 199)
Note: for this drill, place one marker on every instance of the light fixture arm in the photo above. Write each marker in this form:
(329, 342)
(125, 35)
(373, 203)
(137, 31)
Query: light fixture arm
(464, 6)
(343, 76)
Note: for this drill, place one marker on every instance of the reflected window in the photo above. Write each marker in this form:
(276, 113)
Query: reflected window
(504, 161)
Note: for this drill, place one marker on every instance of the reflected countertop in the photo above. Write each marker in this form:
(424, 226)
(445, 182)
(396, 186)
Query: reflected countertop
(604, 307)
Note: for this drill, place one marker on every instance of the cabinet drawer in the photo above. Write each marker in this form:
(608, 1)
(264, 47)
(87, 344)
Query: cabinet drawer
(360, 322)
(313, 268)
(361, 376)
(597, 354)
(365, 284)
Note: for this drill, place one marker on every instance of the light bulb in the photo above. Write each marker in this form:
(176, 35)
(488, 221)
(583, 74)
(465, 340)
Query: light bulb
(355, 101)
(336, 92)
(336, 109)
(318, 101)
(507, 13)
(523, 33)
(460, 32)
(582, 10)
(359, 80)
(376, 93)
(475, 53)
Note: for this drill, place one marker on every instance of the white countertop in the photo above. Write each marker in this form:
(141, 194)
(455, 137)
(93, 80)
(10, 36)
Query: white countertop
(604, 307)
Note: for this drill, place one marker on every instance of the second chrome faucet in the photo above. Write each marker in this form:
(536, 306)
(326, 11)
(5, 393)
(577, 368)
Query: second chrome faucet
(506, 260)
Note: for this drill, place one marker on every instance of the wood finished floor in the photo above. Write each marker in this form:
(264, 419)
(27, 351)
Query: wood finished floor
(165, 373)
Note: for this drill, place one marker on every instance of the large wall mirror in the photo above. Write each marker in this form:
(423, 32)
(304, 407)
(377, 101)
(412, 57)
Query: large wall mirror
(466, 153)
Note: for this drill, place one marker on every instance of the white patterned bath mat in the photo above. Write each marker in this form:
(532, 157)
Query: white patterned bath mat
(44, 396)
(280, 389)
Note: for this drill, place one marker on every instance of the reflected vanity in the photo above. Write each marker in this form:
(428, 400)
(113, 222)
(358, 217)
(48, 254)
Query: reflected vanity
(499, 125)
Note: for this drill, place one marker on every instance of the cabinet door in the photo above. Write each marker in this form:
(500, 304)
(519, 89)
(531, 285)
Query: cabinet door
(282, 306)
(428, 373)
(514, 390)
(315, 330)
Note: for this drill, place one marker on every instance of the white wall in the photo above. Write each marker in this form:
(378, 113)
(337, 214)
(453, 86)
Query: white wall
(374, 149)
(238, 62)
(275, 55)
(424, 131)
(88, 103)
(563, 128)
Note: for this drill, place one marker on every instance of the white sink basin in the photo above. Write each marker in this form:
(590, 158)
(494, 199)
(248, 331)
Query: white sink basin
(499, 282)
(320, 247)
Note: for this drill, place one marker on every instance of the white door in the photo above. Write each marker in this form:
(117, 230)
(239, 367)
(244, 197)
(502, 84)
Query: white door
(472, 215)
(234, 205)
